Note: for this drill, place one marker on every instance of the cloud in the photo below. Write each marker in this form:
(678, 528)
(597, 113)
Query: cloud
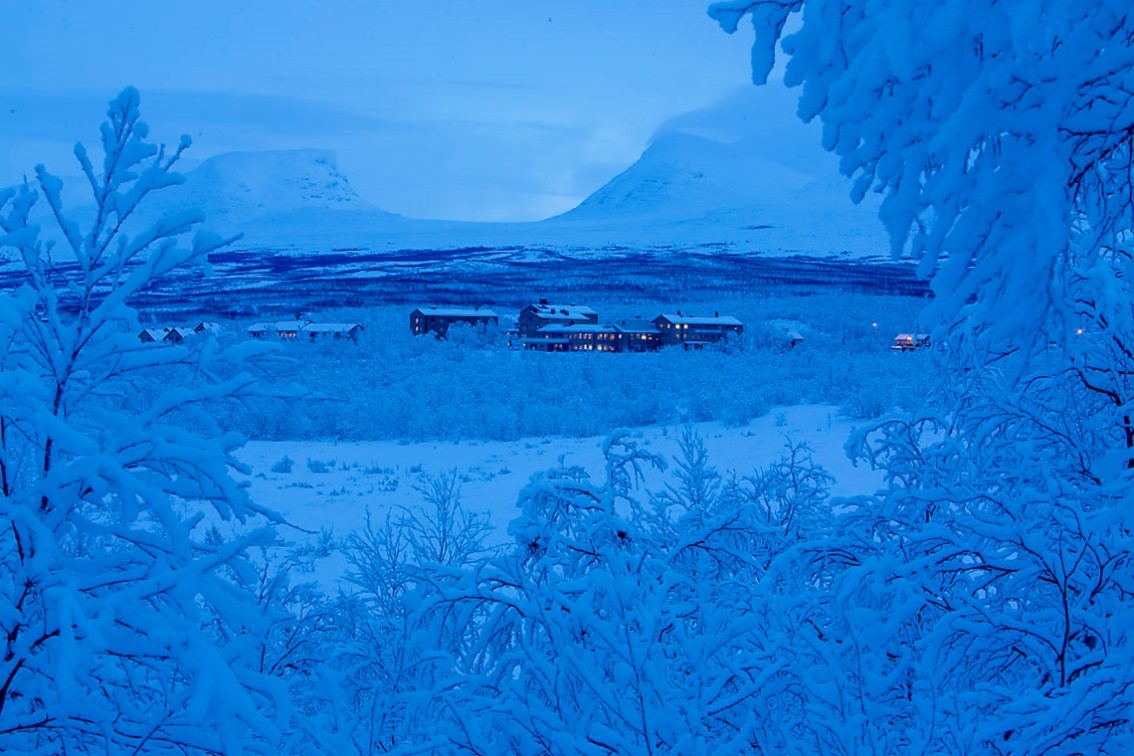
(765, 119)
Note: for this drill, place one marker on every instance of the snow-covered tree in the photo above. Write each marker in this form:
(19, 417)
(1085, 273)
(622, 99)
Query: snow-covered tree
(981, 601)
(611, 626)
(999, 134)
(124, 629)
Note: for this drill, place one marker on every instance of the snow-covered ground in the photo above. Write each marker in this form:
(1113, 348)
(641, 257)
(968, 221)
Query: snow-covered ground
(332, 485)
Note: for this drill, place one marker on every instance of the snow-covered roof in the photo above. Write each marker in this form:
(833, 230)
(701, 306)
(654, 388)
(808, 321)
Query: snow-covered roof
(154, 333)
(283, 325)
(182, 332)
(695, 320)
(331, 327)
(913, 336)
(568, 311)
(457, 312)
(637, 326)
(577, 328)
(544, 341)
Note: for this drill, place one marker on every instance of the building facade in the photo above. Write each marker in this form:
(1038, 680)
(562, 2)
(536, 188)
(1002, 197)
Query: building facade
(537, 316)
(697, 330)
(586, 337)
(437, 319)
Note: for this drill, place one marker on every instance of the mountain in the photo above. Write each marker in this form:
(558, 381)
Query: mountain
(236, 188)
(742, 172)
(686, 177)
(742, 175)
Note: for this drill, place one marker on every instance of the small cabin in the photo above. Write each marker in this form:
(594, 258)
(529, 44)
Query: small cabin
(436, 319)
(151, 335)
(177, 335)
(166, 335)
(908, 342)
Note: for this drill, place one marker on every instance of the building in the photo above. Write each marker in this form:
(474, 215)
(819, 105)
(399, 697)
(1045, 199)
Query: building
(697, 330)
(637, 336)
(437, 319)
(584, 337)
(177, 335)
(537, 316)
(291, 329)
(908, 342)
(151, 335)
(167, 334)
(284, 329)
(333, 330)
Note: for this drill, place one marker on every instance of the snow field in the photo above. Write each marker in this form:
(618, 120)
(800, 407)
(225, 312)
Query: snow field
(332, 485)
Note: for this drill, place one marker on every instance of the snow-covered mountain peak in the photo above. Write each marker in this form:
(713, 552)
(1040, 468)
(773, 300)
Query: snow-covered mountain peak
(682, 176)
(238, 186)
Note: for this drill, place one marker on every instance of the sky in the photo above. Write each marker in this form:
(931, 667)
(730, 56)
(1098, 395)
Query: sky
(493, 110)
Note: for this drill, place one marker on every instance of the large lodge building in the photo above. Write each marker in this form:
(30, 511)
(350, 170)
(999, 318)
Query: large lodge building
(550, 327)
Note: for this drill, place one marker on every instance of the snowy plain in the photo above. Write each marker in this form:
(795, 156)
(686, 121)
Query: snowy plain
(334, 485)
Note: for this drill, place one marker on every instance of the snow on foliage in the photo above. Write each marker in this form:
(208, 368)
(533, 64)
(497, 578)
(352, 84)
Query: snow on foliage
(999, 134)
(981, 602)
(126, 622)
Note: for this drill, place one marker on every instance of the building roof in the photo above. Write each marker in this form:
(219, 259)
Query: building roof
(564, 311)
(577, 328)
(637, 326)
(154, 333)
(182, 332)
(283, 325)
(544, 341)
(331, 327)
(456, 312)
(696, 320)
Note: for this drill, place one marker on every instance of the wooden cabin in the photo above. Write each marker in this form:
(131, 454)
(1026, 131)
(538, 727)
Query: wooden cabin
(151, 335)
(177, 335)
(909, 342)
